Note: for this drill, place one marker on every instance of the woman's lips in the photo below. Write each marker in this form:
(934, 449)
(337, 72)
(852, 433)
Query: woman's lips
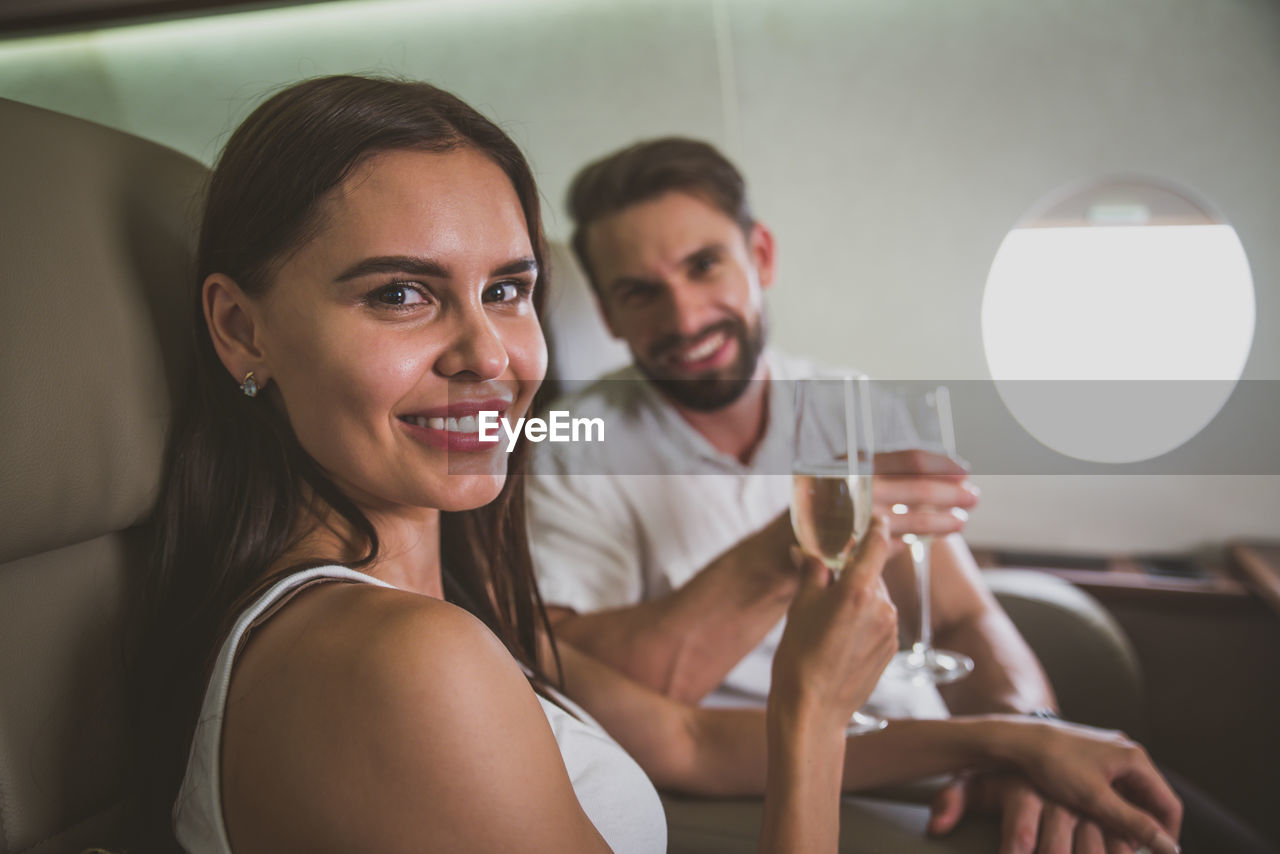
(460, 408)
(456, 427)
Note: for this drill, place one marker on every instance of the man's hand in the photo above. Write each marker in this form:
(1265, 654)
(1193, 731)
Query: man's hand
(769, 555)
(922, 493)
(1030, 823)
(1104, 774)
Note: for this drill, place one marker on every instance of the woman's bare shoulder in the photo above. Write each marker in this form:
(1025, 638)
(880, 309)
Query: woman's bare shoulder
(345, 630)
(361, 718)
(338, 648)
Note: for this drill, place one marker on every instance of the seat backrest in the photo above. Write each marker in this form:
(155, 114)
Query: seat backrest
(581, 347)
(97, 235)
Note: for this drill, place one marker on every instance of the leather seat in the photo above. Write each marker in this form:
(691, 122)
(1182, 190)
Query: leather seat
(96, 245)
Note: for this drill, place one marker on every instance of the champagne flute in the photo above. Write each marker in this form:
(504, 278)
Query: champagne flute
(919, 417)
(832, 467)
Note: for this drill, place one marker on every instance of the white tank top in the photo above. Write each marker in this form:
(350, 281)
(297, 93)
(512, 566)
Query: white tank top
(615, 794)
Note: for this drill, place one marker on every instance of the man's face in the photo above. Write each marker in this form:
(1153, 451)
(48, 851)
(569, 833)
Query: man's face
(682, 285)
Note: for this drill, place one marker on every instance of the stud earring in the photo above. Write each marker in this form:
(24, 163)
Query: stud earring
(249, 386)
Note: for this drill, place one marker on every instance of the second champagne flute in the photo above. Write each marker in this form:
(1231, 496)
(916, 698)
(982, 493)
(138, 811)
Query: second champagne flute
(831, 473)
(918, 416)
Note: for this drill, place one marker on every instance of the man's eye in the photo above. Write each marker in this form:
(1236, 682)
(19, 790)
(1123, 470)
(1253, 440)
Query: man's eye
(704, 264)
(639, 293)
(505, 291)
(398, 294)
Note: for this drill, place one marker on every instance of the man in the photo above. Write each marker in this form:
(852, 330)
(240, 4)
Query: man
(681, 580)
(679, 267)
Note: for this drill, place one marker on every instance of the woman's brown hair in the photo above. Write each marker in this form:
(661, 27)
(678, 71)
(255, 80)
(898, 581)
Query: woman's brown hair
(237, 486)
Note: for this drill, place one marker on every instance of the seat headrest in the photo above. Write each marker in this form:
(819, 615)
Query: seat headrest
(96, 237)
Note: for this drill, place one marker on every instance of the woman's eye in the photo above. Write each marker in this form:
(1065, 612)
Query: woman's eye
(505, 291)
(398, 294)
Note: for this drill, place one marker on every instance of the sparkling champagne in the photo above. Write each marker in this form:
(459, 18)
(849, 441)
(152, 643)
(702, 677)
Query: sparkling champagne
(830, 511)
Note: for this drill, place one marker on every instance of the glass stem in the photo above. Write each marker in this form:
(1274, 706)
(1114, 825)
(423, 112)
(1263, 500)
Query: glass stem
(921, 547)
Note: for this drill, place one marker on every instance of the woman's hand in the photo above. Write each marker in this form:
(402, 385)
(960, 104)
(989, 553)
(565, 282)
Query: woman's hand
(1102, 775)
(840, 636)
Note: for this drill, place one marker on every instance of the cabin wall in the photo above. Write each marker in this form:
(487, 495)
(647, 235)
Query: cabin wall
(890, 144)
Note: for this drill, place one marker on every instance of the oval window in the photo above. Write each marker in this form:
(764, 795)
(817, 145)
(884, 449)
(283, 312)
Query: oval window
(1117, 320)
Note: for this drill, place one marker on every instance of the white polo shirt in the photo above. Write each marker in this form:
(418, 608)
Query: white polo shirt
(637, 516)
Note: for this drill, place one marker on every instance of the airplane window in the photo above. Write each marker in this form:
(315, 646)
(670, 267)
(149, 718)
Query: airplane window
(1117, 319)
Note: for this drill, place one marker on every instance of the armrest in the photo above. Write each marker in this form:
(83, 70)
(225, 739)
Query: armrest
(1090, 662)
(868, 825)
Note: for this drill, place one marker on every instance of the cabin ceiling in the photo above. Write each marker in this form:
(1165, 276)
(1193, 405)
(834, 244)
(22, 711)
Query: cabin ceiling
(26, 16)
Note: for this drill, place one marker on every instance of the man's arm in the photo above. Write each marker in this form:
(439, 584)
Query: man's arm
(1006, 676)
(682, 644)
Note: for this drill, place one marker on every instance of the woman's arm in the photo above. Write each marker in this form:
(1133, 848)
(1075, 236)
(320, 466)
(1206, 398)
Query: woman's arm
(839, 638)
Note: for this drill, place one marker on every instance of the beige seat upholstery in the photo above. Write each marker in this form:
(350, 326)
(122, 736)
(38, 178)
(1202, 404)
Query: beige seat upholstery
(1090, 661)
(96, 242)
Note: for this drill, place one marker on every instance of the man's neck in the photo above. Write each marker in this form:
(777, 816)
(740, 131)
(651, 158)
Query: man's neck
(738, 428)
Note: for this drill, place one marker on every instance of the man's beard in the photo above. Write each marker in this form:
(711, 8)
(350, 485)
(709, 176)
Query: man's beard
(716, 389)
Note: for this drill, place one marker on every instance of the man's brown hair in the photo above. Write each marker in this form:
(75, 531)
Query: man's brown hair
(645, 171)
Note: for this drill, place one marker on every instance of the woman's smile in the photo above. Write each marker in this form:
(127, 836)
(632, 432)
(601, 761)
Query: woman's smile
(455, 427)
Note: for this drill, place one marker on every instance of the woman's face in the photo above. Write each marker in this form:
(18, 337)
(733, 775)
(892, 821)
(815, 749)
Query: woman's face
(410, 310)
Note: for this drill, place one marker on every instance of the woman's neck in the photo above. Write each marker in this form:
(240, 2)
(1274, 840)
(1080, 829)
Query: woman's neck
(409, 552)
(408, 548)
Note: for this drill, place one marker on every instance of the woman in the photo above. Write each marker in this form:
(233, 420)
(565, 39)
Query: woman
(345, 649)
(370, 264)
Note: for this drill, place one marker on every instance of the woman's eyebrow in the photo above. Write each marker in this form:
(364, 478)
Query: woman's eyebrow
(520, 265)
(426, 267)
(407, 264)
